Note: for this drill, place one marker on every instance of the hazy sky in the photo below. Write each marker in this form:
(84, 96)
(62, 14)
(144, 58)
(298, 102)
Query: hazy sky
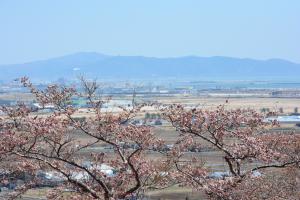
(39, 29)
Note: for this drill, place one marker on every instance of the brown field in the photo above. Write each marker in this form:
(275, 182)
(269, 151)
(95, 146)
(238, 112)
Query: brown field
(288, 104)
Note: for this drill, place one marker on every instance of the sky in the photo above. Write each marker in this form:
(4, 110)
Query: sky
(40, 29)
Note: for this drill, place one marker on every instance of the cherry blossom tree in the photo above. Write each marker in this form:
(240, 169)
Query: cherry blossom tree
(49, 143)
(252, 150)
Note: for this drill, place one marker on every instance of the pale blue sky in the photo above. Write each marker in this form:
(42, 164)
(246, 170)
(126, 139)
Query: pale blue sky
(39, 29)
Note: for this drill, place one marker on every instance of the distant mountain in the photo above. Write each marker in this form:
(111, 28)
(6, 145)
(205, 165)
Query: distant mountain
(137, 67)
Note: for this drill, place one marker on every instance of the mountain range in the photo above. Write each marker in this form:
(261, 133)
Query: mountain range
(102, 66)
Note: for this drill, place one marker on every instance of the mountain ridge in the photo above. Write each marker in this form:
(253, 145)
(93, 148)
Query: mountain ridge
(98, 65)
